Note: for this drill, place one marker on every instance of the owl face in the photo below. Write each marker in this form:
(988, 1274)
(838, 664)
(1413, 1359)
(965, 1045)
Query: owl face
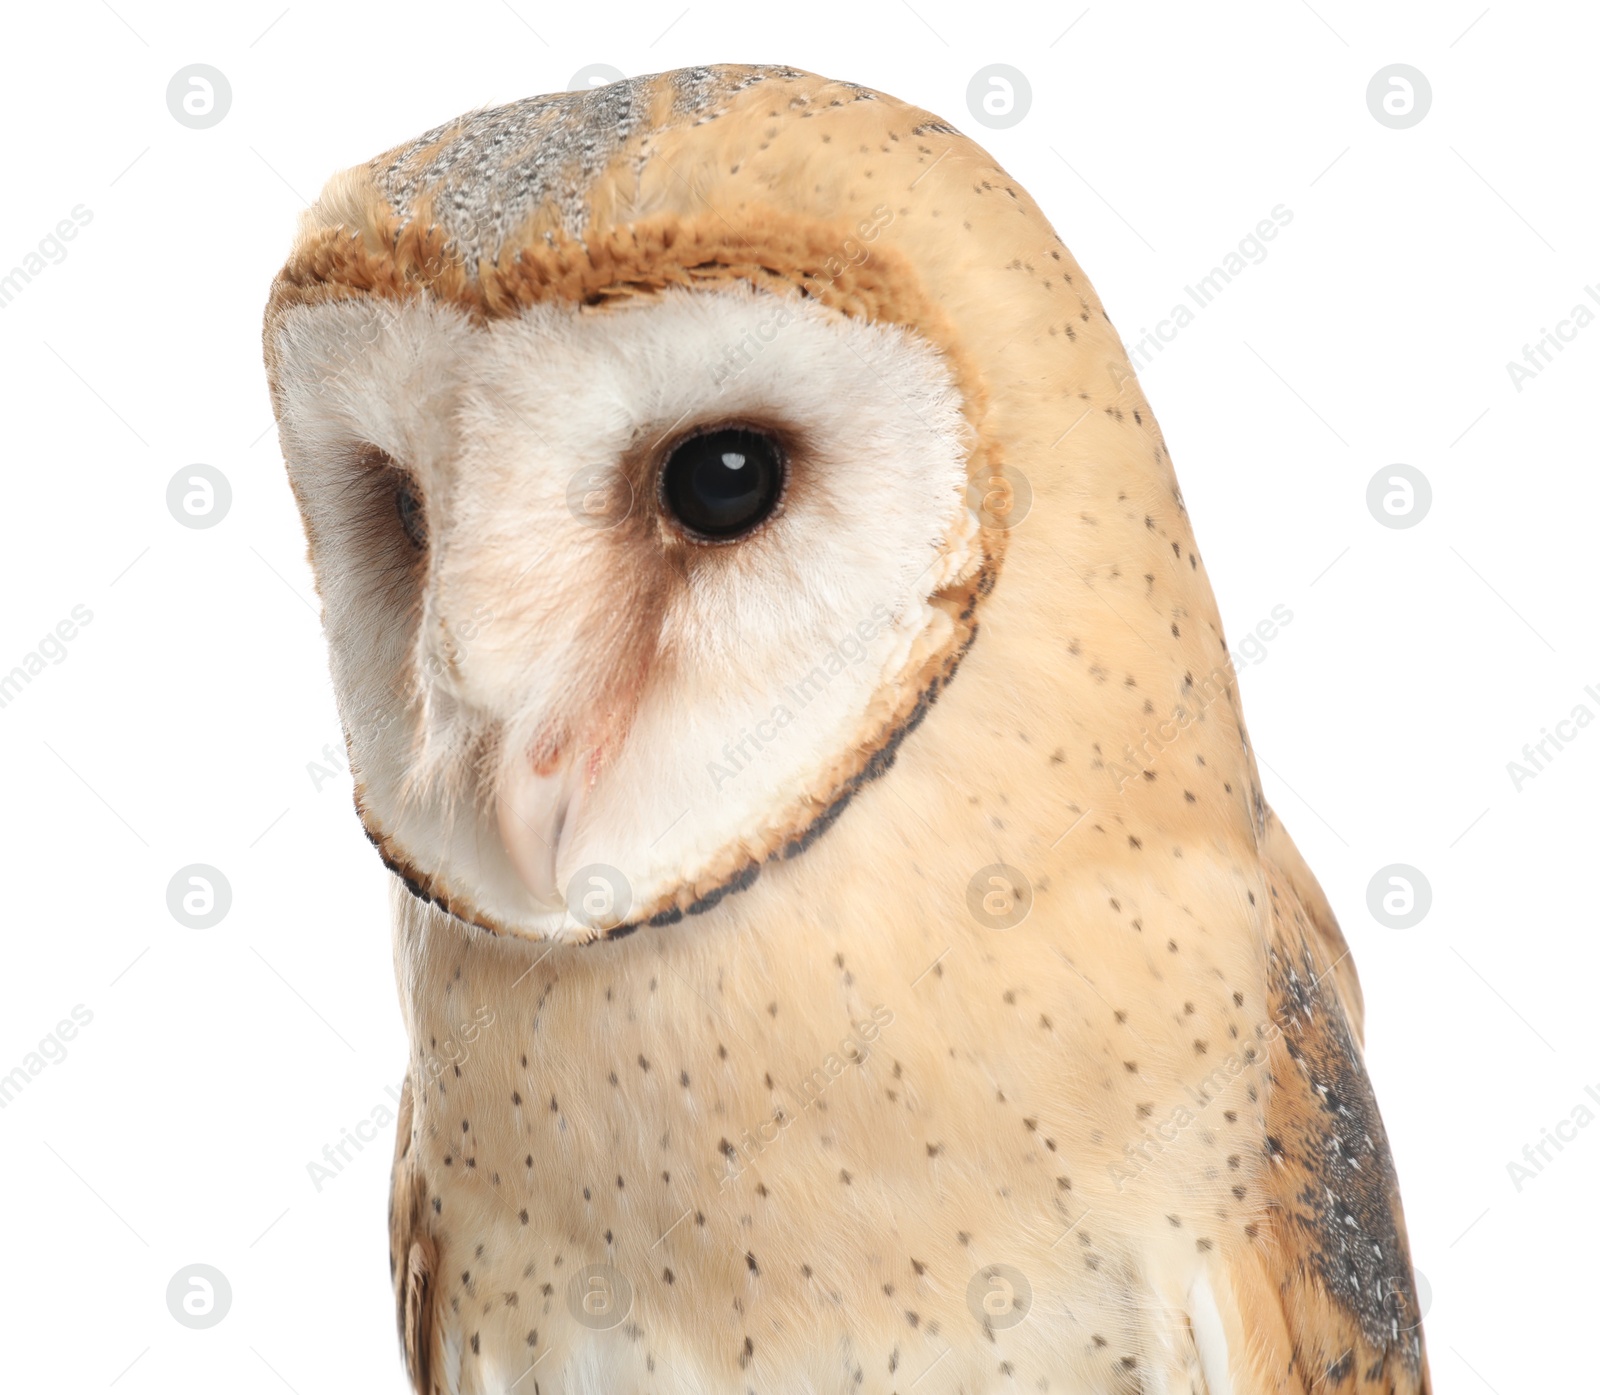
(624, 598)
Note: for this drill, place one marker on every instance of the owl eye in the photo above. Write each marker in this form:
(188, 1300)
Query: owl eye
(721, 484)
(412, 517)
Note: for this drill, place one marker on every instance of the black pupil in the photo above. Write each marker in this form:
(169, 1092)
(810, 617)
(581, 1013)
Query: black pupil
(723, 483)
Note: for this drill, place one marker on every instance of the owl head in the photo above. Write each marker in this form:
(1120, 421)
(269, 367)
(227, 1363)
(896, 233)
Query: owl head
(658, 449)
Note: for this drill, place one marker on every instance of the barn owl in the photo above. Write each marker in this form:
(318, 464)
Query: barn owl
(842, 939)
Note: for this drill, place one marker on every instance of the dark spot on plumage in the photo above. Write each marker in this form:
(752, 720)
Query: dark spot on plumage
(1336, 1373)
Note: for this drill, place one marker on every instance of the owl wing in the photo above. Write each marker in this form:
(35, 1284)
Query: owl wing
(1325, 1300)
(412, 1258)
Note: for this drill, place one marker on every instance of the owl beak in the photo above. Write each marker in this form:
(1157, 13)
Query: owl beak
(537, 808)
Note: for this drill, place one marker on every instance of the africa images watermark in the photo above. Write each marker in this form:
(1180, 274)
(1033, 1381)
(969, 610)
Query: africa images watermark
(1540, 354)
(450, 1054)
(52, 1050)
(1537, 755)
(1536, 1156)
(332, 765)
(50, 251)
(853, 1050)
(1250, 251)
(458, 636)
(1139, 760)
(52, 647)
(364, 1131)
(1139, 1157)
(847, 650)
(737, 357)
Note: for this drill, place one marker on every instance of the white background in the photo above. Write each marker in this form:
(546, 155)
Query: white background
(180, 725)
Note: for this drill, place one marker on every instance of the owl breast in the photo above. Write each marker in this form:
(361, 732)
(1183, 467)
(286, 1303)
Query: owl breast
(671, 1164)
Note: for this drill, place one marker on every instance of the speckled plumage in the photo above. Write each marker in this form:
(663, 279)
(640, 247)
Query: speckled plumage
(807, 1116)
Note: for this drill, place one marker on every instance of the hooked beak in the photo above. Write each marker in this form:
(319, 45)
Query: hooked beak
(537, 804)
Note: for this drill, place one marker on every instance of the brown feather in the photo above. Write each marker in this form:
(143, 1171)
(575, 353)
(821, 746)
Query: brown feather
(1340, 1310)
(412, 1260)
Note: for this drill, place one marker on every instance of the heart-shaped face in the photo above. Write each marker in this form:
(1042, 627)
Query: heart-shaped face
(622, 599)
